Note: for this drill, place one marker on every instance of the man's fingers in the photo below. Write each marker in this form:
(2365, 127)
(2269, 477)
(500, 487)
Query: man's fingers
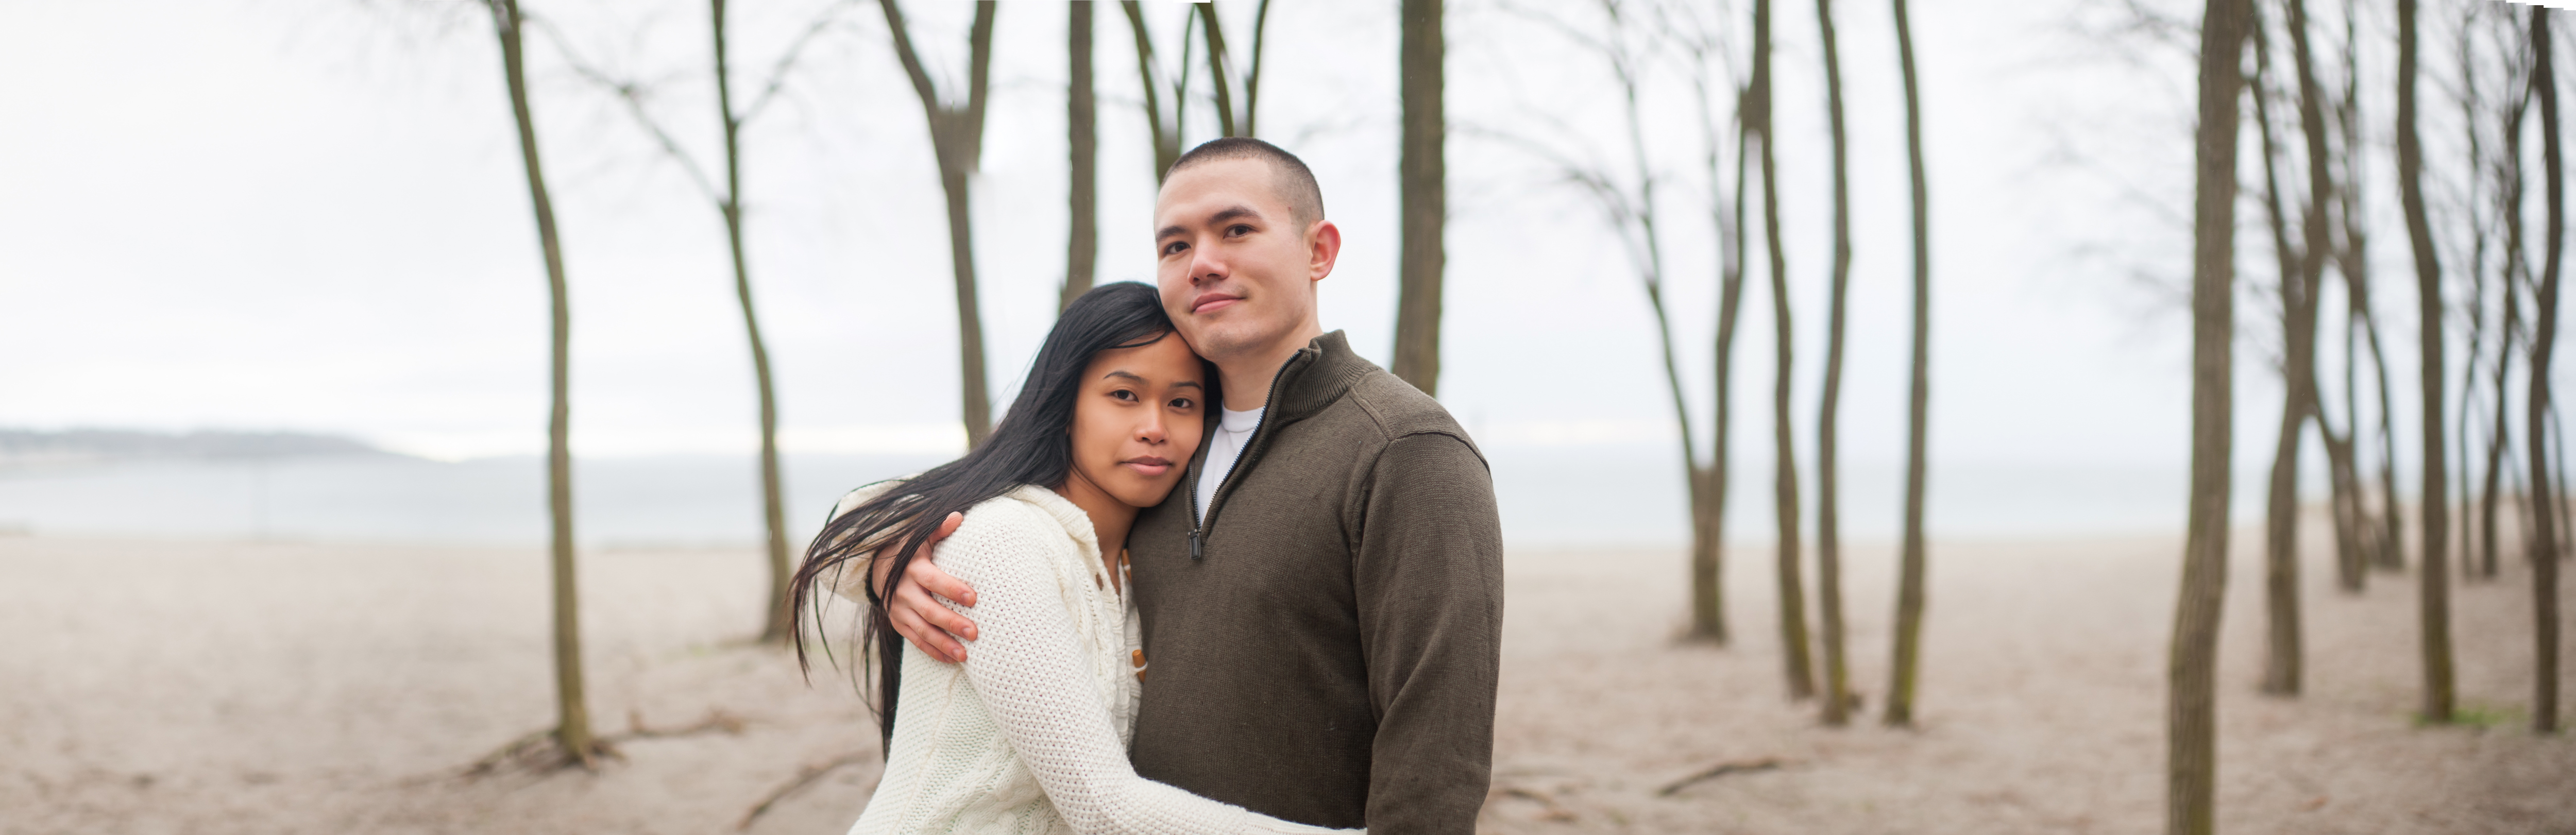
(919, 617)
(935, 581)
(930, 640)
(950, 622)
(939, 622)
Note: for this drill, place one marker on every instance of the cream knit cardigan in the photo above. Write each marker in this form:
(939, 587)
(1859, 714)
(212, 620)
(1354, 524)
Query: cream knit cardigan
(1030, 734)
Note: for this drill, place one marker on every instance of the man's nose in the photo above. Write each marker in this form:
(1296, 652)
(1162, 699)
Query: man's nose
(1205, 267)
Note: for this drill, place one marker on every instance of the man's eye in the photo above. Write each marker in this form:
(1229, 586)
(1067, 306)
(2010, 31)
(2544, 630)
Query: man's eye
(1174, 248)
(1239, 230)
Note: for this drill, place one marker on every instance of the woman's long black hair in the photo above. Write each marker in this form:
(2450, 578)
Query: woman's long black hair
(1032, 446)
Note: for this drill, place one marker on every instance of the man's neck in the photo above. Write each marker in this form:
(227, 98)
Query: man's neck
(1248, 375)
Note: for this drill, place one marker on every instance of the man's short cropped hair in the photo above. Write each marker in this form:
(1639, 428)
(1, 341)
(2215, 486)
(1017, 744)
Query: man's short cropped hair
(1295, 182)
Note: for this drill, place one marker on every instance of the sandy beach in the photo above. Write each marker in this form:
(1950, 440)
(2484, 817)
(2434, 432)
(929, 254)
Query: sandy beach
(203, 687)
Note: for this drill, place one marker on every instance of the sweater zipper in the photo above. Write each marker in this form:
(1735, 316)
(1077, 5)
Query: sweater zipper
(1199, 526)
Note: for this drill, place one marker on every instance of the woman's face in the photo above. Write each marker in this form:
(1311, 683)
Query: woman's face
(1138, 419)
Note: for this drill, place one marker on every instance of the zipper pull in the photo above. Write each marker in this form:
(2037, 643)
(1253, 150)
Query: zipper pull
(1196, 554)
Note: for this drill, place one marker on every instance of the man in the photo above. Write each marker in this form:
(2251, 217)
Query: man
(1321, 602)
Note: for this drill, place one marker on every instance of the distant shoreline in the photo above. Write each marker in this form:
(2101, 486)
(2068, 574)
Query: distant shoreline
(25, 447)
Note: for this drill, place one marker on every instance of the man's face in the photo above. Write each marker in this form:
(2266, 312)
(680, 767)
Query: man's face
(1237, 271)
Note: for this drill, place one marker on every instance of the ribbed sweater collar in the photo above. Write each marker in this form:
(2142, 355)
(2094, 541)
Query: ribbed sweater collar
(1315, 377)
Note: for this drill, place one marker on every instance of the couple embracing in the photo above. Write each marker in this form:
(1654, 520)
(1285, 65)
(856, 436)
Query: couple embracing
(1212, 573)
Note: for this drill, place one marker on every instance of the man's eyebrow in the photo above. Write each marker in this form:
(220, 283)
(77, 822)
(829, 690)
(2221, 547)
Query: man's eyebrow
(1234, 212)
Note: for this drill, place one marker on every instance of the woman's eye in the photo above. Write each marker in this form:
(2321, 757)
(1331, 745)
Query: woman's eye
(1123, 394)
(1182, 403)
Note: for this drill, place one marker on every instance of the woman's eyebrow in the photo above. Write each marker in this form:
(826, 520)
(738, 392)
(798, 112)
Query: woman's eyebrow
(1123, 374)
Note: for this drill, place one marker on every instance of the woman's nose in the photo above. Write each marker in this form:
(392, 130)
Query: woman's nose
(1151, 431)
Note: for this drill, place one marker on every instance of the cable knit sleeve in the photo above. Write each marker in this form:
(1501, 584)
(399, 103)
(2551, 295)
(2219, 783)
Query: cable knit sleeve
(1028, 667)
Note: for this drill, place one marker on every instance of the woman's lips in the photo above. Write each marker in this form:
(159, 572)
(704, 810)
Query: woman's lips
(1149, 467)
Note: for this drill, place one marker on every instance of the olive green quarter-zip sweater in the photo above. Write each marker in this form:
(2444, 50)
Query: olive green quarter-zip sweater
(1323, 645)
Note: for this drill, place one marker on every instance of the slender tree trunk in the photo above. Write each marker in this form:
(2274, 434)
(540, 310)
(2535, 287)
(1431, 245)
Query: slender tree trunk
(2192, 702)
(2544, 339)
(2516, 270)
(1422, 179)
(775, 622)
(2391, 553)
(1648, 254)
(1082, 137)
(1164, 134)
(572, 724)
(1252, 71)
(1711, 485)
(2345, 492)
(2471, 107)
(957, 137)
(1219, 72)
(2340, 484)
(1793, 602)
(2434, 578)
(2281, 517)
(1908, 644)
(2383, 542)
(1829, 590)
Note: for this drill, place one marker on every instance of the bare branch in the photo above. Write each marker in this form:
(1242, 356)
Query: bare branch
(632, 94)
(787, 61)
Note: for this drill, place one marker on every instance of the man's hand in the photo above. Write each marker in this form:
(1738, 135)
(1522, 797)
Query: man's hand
(917, 615)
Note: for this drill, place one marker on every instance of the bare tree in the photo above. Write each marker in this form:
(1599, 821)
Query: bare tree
(727, 199)
(1710, 485)
(572, 736)
(2381, 540)
(1829, 589)
(1793, 595)
(957, 139)
(1082, 137)
(2433, 580)
(2191, 765)
(1907, 651)
(2544, 547)
(2508, 171)
(2472, 113)
(1629, 202)
(1423, 202)
(2281, 586)
(1168, 127)
(1224, 79)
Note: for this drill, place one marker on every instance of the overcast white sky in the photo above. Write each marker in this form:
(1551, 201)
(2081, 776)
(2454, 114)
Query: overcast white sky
(309, 214)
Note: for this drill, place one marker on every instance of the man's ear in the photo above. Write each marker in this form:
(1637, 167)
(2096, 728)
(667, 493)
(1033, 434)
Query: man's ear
(1323, 247)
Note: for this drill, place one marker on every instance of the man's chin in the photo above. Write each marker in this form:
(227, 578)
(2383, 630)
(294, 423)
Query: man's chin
(1221, 342)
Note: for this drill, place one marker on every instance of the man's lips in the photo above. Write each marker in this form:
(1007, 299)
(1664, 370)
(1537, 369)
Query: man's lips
(1213, 302)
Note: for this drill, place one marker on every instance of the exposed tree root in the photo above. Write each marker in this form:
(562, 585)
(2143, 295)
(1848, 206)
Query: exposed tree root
(804, 777)
(539, 753)
(717, 721)
(1721, 770)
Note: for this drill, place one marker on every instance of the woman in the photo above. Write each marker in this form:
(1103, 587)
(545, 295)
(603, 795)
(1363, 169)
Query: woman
(1030, 733)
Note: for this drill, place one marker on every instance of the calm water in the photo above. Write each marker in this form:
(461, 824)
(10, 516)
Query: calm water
(1608, 494)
